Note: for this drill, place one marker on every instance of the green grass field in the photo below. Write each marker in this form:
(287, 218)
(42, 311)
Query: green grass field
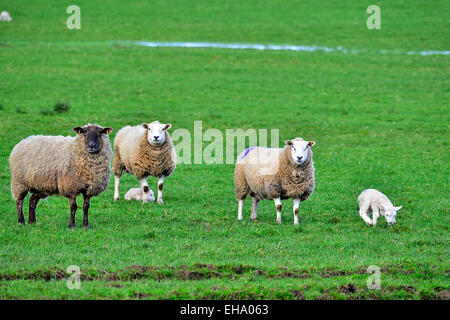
(379, 120)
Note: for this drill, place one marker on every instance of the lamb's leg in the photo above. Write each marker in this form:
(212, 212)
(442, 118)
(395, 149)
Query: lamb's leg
(278, 206)
(19, 206)
(73, 210)
(160, 188)
(241, 206)
(86, 205)
(116, 187)
(145, 189)
(363, 210)
(34, 199)
(296, 208)
(254, 209)
(375, 216)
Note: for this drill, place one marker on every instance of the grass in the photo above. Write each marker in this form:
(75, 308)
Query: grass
(379, 120)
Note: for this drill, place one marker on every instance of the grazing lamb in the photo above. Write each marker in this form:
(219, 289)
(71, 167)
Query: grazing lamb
(371, 200)
(143, 151)
(57, 165)
(136, 193)
(275, 174)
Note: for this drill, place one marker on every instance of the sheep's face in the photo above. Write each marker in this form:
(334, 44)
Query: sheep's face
(390, 214)
(92, 135)
(156, 134)
(300, 149)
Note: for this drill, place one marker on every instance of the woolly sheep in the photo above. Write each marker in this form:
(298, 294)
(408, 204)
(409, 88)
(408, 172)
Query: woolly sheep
(371, 200)
(143, 151)
(275, 174)
(57, 165)
(136, 193)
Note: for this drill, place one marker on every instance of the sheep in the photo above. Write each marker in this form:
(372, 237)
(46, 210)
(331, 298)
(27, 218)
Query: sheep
(57, 165)
(143, 151)
(136, 193)
(372, 200)
(4, 16)
(275, 174)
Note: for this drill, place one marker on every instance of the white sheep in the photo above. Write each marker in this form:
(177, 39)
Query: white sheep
(57, 165)
(275, 174)
(371, 200)
(136, 194)
(143, 151)
(4, 16)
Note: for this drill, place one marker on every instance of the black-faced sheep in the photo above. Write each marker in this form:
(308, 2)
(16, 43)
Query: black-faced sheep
(275, 174)
(57, 165)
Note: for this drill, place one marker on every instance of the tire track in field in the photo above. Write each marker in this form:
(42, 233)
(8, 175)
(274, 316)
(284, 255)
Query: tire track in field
(197, 272)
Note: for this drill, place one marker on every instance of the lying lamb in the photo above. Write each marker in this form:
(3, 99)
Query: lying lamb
(57, 165)
(4, 16)
(374, 201)
(143, 151)
(275, 174)
(136, 193)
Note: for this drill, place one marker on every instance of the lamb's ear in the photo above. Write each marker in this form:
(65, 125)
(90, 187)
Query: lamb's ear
(78, 130)
(144, 125)
(398, 208)
(289, 142)
(107, 130)
(311, 143)
(167, 126)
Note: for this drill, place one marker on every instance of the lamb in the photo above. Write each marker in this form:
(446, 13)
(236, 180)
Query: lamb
(143, 151)
(4, 16)
(275, 174)
(57, 165)
(371, 200)
(136, 193)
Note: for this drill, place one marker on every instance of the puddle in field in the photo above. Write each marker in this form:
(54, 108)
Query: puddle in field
(243, 46)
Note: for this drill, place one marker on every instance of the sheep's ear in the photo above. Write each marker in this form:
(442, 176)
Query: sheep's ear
(145, 126)
(107, 130)
(289, 142)
(78, 130)
(311, 143)
(167, 126)
(398, 208)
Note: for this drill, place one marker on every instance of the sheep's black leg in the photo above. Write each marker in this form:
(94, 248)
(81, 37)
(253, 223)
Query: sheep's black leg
(34, 199)
(19, 206)
(73, 210)
(86, 204)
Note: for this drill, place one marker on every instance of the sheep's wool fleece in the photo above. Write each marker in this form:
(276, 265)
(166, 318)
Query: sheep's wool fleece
(269, 173)
(139, 157)
(59, 165)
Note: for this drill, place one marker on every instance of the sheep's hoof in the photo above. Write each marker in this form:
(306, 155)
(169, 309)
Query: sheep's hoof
(279, 221)
(160, 201)
(253, 218)
(296, 223)
(116, 199)
(87, 226)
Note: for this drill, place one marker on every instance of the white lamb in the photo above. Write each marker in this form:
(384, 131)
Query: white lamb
(371, 200)
(136, 194)
(4, 16)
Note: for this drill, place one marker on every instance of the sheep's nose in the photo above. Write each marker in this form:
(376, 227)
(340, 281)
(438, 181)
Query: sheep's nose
(156, 137)
(299, 158)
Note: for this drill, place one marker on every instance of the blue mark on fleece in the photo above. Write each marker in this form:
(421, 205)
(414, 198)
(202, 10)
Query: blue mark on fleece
(246, 152)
